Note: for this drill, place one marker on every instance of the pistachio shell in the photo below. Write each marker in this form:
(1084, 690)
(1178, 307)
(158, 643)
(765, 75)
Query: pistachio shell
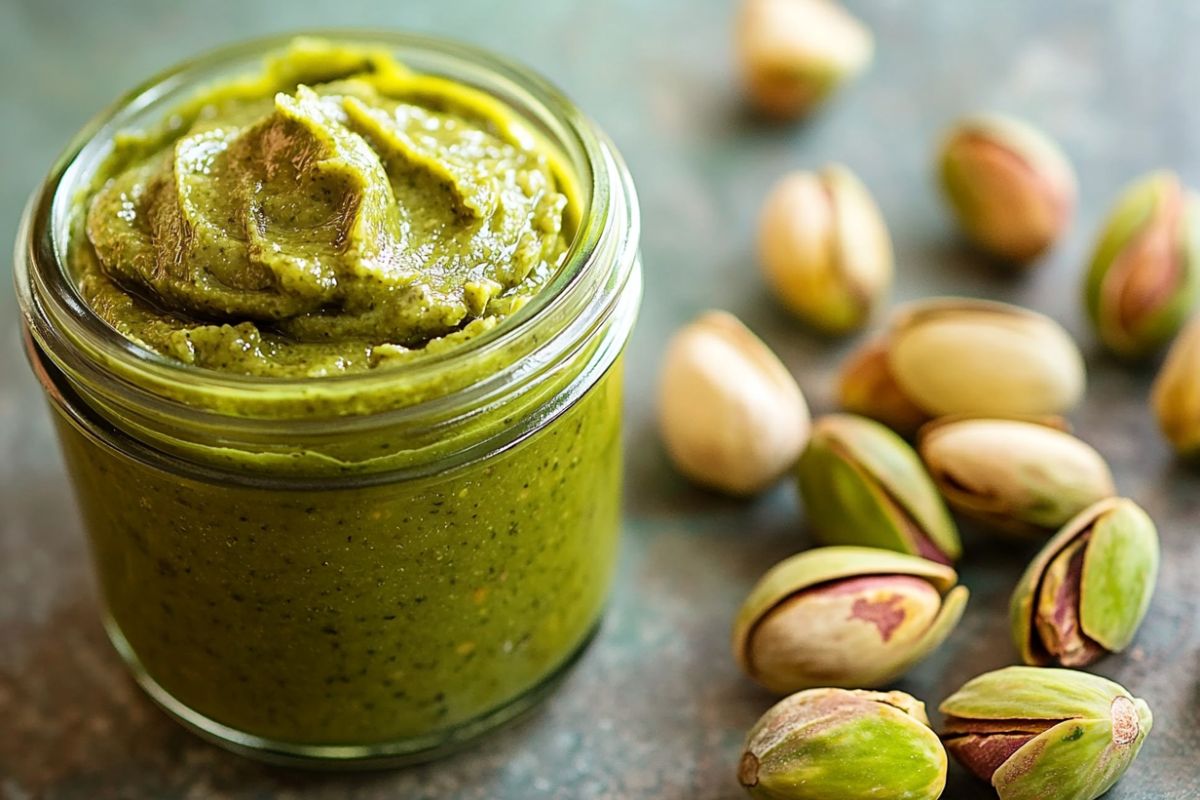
(960, 356)
(1098, 574)
(731, 415)
(1010, 186)
(1176, 393)
(795, 53)
(825, 744)
(1015, 475)
(844, 616)
(1037, 733)
(866, 387)
(864, 485)
(1145, 272)
(825, 248)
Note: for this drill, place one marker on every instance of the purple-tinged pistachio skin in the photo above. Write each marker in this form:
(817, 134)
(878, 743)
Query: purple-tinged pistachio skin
(844, 616)
(864, 485)
(1035, 733)
(1085, 594)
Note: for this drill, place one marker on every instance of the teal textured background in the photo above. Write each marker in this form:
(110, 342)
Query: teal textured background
(656, 709)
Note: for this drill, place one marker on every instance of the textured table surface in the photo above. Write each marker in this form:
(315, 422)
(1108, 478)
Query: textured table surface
(656, 709)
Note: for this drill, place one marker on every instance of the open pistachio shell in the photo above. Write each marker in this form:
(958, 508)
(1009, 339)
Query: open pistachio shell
(827, 744)
(1014, 475)
(825, 248)
(962, 356)
(1145, 273)
(844, 616)
(1011, 187)
(864, 485)
(1085, 594)
(1176, 393)
(866, 387)
(1037, 733)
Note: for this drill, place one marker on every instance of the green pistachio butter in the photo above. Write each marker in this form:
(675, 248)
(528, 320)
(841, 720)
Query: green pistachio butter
(333, 214)
(338, 213)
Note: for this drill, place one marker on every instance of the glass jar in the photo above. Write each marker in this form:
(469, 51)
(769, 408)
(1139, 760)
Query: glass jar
(324, 570)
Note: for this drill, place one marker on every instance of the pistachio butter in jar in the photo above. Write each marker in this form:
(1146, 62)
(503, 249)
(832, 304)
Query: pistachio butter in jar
(332, 330)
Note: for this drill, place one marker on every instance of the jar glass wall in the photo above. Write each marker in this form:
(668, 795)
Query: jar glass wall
(332, 570)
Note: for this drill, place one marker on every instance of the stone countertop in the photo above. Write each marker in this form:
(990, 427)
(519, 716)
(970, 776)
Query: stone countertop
(656, 709)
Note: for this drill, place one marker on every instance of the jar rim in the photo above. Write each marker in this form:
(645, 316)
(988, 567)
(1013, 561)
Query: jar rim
(49, 296)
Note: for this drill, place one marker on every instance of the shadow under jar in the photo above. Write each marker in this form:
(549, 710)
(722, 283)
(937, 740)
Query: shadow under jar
(362, 568)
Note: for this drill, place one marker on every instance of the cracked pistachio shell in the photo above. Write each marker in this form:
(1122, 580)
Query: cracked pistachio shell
(845, 616)
(828, 744)
(864, 485)
(1037, 733)
(795, 53)
(1145, 271)
(866, 387)
(730, 414)
(825, 249)
(1176, 393)
(1085, 594)
(1011, 188)
(980, 358)
(1015, 475)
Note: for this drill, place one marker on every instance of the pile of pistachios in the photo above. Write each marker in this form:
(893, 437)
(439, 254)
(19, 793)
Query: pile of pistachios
(955, 410)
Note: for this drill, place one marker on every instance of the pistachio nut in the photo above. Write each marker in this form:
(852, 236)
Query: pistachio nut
(1036, 733)
(1011, 187)
(730, 414)
(845, 616)
(1015, 475)
(825, 249)
(976, 357)
(866, 387)
(826, 744)
(864, 485)
(1086, 592)
(1176, 393)
(1145, 271)
(795, 53)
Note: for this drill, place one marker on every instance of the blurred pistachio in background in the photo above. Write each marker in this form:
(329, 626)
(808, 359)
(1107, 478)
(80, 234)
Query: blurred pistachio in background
(1145, 272)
